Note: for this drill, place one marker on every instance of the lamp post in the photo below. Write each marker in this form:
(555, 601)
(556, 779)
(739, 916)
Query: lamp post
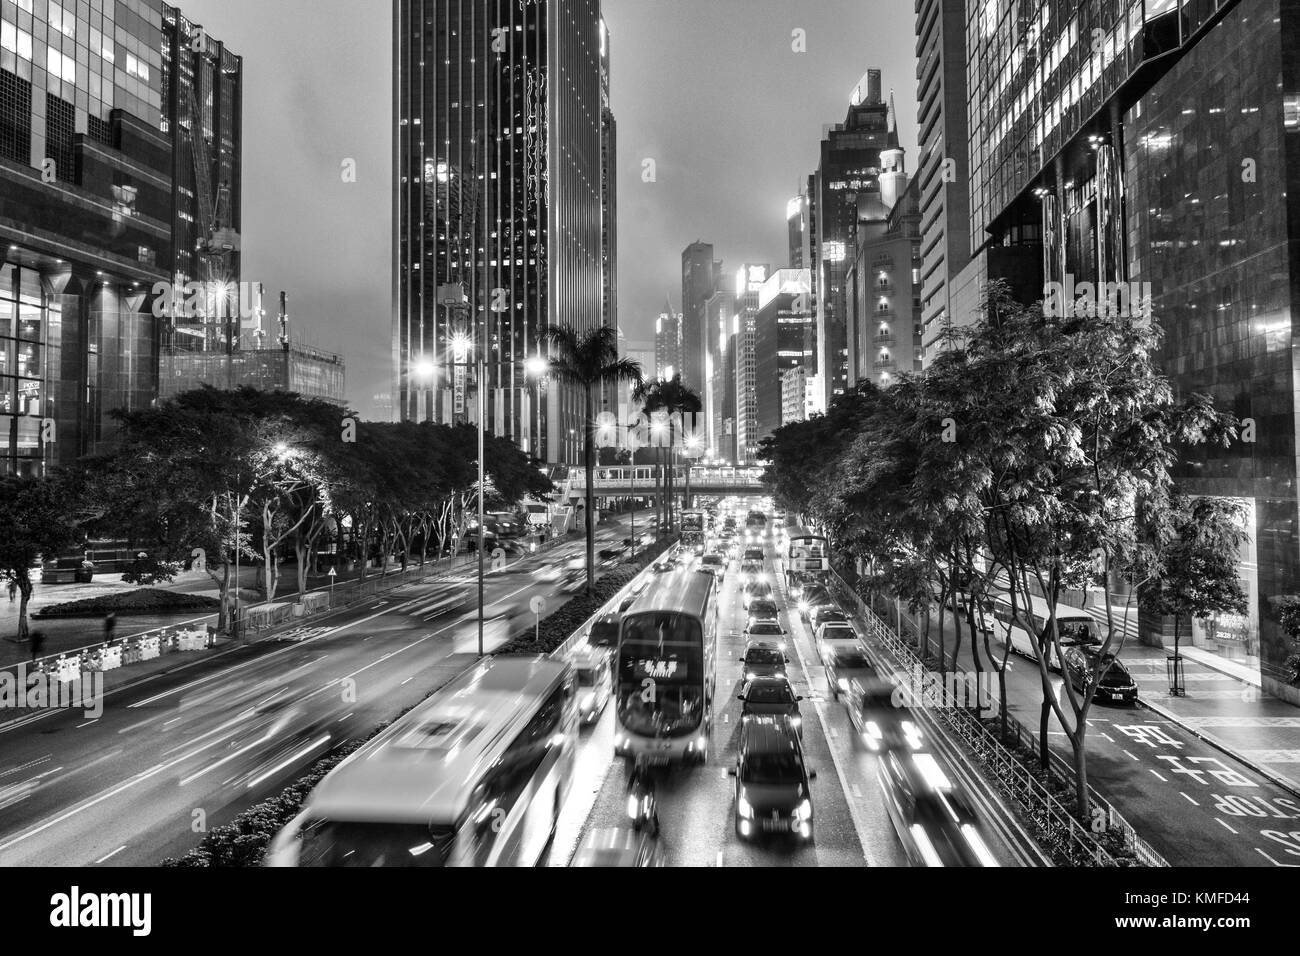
(536, 366)
(657, 430)
(633, 443)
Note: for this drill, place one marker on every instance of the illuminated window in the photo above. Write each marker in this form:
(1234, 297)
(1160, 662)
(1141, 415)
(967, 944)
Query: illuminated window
(136, 67)
(60, 66)
(18, 42)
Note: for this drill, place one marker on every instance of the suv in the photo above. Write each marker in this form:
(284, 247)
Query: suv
(763, 609)
(772, 781)
(824, 614)
(715, 564)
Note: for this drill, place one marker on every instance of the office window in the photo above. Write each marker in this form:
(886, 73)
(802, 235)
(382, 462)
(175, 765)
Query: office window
(16, 41)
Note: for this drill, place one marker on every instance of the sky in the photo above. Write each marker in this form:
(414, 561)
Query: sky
(711, 90)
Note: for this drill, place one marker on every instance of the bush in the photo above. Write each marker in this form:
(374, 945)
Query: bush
(151, 571)
(139, 601)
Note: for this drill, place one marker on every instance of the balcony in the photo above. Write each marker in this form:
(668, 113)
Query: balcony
(883, 338)
(880, 364)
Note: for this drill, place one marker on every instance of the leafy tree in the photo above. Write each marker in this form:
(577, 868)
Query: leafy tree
(1287, 611)
(40, 517)
(590, 362)
(1196, 575)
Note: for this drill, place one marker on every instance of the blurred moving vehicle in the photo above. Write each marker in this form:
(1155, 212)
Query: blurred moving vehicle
(756, 519)
(764, 659)
(824, 614)
(772, 789)
(844, 663)
(753, 554)
(668, 645)
(815, 597)
(757, 589)
(834, 635)
(762, 609)
(933, 819)
(1076, 627)
(595, 680)
(807, 556)
(473, 776)
(771, 697)
(878, 718)
(715, 564)
(604, 630)
(617, 846)
(1115, 684)
(751, 571)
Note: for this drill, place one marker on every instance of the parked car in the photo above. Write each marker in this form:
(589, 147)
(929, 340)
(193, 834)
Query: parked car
(1116, 684)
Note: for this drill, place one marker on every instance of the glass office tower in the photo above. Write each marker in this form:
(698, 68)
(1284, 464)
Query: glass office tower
(502, 143)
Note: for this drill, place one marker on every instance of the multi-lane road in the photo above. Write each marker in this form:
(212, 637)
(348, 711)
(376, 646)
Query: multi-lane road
(187, 749)
(696, 804)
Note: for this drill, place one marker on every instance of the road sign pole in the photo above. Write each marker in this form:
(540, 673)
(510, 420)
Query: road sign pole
(333, 574)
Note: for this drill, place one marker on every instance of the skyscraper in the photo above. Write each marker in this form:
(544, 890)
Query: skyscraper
(943, 165)
(720, 312)
(782, 320)
(750, 278)
(850, 165)
(668, 342)
(96, 184)
(503, 206)
(700, 279)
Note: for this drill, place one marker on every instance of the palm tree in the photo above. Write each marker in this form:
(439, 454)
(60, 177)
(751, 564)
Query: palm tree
(671, 396)
(589, 360)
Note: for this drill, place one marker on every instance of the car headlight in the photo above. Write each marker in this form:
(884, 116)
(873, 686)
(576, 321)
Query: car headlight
(588, 702)
(803, 811)
(803, 607)
(633, 805)
(749, 675)
(796, 721)
(912, 734)
(842, 684)
(743, 809)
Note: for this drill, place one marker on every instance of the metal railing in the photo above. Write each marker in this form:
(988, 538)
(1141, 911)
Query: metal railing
(1059, 831)
(197, 634)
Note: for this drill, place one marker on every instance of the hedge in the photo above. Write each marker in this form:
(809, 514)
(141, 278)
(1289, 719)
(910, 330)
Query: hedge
(137, 601)
(244, 841)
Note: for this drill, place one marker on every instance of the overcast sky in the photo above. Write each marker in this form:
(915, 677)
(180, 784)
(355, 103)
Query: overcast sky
(711, 90)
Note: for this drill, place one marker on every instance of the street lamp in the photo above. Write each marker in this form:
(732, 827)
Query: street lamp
(537, 368)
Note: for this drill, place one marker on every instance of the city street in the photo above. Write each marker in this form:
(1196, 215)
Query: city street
(697, 813)
(190, 746)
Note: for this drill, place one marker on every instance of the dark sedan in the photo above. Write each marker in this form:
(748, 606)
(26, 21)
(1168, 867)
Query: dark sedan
(1116, 684)
(771, 697)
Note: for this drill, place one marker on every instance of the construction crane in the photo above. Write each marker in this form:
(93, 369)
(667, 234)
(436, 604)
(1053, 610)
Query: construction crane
(216, 238)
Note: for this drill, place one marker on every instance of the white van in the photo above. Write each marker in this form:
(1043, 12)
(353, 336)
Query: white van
(1075, 626)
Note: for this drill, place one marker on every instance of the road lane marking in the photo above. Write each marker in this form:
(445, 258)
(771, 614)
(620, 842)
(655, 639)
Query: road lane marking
(1158, 777)
(1225, 826)
(94, 720)
(1131, 755)
(111, 855)
(296, 755)
(1189, 799)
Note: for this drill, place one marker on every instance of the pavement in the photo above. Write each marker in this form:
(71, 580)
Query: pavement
(1199, 796)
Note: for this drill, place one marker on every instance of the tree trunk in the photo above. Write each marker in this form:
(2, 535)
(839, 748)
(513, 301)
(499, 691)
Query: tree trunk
(590, 492)
(223, 612)
(24, 595)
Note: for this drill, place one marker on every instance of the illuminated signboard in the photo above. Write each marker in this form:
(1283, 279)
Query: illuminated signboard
(658, 669)
(834, 251)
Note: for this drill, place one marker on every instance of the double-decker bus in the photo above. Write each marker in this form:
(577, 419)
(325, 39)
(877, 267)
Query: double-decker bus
(667, 670)
(808, 558)
(695, 523)
(474, 776)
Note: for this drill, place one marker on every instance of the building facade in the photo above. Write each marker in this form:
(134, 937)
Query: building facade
(849, 168)
(503, 148)
(701, 275)
(720, 312)
(783, 321)
(943, 163)
(668, 342)
(1148, 143)
(885, 291)
(91, 213)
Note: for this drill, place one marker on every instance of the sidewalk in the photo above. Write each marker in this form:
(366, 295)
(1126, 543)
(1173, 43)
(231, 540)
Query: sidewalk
(1224, 705)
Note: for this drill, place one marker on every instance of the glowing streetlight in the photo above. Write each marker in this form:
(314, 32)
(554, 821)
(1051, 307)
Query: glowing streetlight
(537, 366)
(425, 370)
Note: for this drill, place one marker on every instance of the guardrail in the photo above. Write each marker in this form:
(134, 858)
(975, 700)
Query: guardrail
(1062, 833)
